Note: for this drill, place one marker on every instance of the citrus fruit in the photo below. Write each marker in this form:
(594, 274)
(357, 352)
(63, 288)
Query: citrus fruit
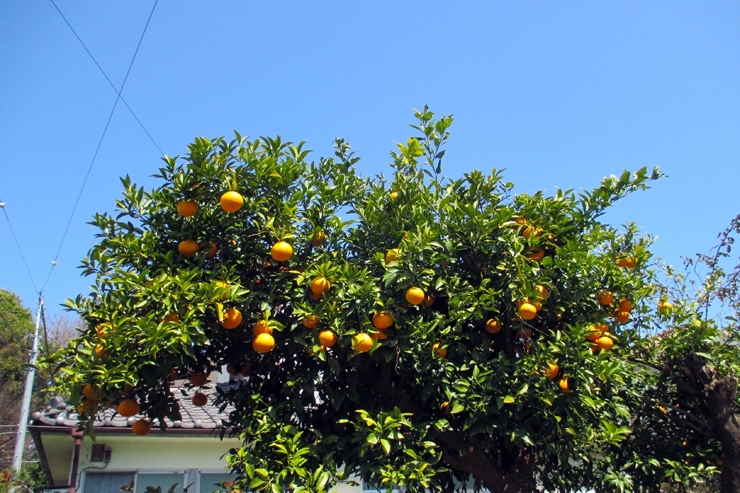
(605, 297)
(327, 338)
(531, 231)
(593, 333)
(536, 254)
(551, 371)
(379, 335)
(232, 369)
(519, 220)
(319, 285)
(187, 208)
(244, 370)
(415, 296)
(99, 351)
(563, 384)
(263, 343)
(198, 379)
(527, 311)
(542, 291)
(525, 333)
(261, 328)
(603, 343)
(281, 251)
(393, 255)
(232, 318)
(188, 248)
(621, 316)
(444, 405)
(311, 322)
(318, 238)
(626, 262)
(362, 342)
(441, 351)
(393, 195)
(428, 301)
(493, 326)
(141, 427)
(88, 391)
(231, 201)
(174, 375)
(625, 306)
(665, 307)
(199, 399)
(128, 408)
(172, 317)
(212, 249)
(101, 331)
(382, 320)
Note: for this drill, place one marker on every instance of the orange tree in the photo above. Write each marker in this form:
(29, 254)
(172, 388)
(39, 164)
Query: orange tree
(407, 329)
(689, 417)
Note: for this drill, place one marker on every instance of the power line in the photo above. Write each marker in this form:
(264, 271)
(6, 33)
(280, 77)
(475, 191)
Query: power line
(107, 78)
(100, 143)
(12, 231)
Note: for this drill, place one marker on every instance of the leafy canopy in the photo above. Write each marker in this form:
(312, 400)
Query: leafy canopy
(437, 398)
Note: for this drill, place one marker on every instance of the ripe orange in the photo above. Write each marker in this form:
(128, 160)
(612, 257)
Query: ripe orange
(563, 384)
(141, 427)
(428, 301)
(362, 342)
(603, 343)
(441, 351)
(263, 343)
(625, 306)
(593, 333)
(542, 291)
(527, 311)
(444, 405)
(187, 208)
(327, 338)
(232, 318)
(232, 369)
(605, 297)
(552, 370)
(531, 231)
(261, 327)
(665, 307)
(101, 331)
(88, 391)
(621, 316)
(393, 195)
(525, 333)
(319, 285)
(626, 262)
(415, 296)
(378, 336)
(198, 379)
(393, 255)
(281, 251)
(212, 248)
(519, 220)
(172, 317)
(311, 322)
(199, 399)
(493, 326)
(318, 238)
(231, 201)
(382, 320)
(536, 254)
(99, 351)
(188, 248)
(128, 408)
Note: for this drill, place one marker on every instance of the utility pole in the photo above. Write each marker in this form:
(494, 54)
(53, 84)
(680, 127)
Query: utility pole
(20, 442)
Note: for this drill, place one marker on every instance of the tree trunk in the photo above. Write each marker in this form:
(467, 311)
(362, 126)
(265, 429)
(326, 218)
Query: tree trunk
(719, 394)
(514, 475)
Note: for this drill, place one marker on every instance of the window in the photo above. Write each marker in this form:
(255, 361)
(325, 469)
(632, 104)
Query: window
(163, 479)
(109, 482)
(209, 481)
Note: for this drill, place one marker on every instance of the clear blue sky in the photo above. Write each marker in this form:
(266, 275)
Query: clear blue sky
(560, 94)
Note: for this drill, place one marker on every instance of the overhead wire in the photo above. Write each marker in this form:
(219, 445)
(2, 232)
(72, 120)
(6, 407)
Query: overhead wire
(17, 244)
(123, 100)
(100, 143)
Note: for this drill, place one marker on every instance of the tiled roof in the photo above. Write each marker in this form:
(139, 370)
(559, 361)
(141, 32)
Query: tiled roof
(58, 413)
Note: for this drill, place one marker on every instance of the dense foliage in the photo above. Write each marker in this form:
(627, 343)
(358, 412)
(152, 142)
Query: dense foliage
(411, 329)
